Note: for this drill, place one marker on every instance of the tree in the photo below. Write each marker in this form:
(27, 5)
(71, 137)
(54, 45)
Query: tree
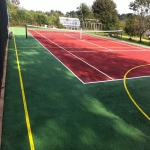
(72, 14)
(141, 10)
(130, 26)
(84, 12)
(122, 17)
(105, 11)
(41, 19)
(15, 2)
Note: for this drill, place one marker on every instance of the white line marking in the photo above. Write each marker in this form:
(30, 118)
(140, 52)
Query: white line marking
(89, 43)
(94, 51)
(58, 59)
(116, 80)
(122, 42)
(144, 50)
(76, 57)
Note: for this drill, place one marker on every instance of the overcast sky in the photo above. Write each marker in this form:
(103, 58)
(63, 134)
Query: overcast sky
(68, 5)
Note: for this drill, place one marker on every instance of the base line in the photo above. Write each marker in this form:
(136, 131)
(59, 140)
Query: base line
(24, 99)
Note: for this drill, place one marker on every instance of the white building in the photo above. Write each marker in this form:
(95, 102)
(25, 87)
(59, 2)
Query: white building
(70, 23)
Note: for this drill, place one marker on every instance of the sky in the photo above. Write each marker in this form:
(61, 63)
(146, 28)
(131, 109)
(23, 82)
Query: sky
(69, 5)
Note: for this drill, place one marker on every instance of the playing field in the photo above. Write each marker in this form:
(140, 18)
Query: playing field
(67, 93)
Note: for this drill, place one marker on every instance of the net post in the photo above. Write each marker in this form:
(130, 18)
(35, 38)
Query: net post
(80, 33)
(26, 30)
(121, 35)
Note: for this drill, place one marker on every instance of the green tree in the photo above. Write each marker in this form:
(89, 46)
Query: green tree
(105, 11)
(20, 16)
(15, 2)
(29, 18)
(130, 26)
(71, 14)
(141, 10)
(84, 12)
(122, 17)
(41, 19)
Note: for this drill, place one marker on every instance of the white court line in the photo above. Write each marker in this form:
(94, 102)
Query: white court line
(90, 51)
(112, 51)
(116, 80)
(76, 57)
(88, 42)
(144, 50)
(57, 59)
(122, 42)
(95, 36)
(79, 78)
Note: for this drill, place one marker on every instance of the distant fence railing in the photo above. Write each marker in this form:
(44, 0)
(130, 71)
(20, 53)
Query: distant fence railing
(3, 33)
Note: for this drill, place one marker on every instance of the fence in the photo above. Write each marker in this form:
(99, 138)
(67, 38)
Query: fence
(3, 33)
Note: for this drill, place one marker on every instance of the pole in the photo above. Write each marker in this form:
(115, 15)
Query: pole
(26, 30)
(81, 34)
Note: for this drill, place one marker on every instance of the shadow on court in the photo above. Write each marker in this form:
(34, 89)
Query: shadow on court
(64, 113)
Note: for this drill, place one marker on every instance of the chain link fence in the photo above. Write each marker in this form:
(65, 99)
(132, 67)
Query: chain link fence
(3, 33)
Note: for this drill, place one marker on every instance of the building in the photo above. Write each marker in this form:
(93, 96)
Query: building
(92, 24)
(70, 23)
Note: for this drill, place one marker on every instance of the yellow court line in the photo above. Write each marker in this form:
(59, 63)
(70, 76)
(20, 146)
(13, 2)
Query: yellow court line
(24, 99)
(125, 86)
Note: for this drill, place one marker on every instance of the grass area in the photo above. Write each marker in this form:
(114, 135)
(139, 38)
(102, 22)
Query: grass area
(66, 114)
(135, 40)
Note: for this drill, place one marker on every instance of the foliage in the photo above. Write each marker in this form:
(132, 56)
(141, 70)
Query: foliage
(122, 17)
(102, 10)
(105, 11)
(84, 12)
(141, 10)
(20, 16)
(15, 2)
(72, 14)
(130, 26)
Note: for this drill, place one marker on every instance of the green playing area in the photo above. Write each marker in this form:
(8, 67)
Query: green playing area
(47, 108)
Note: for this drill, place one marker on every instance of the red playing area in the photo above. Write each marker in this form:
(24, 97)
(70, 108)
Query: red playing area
(95, 59)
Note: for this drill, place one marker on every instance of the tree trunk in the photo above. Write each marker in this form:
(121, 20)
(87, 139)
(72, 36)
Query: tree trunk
(140, 38)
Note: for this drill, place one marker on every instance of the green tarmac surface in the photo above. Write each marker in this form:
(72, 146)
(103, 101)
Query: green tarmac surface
(66, 114)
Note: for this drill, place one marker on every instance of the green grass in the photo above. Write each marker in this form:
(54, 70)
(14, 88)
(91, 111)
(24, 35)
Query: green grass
(135, 40)
(66, 114)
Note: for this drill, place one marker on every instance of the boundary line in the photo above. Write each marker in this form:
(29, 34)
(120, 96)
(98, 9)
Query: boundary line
(114, 51)
(125, 86)
(115, 80)
(23, 98)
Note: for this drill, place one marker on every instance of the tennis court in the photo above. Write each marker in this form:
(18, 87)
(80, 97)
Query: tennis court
(77, 92)
(96, 59)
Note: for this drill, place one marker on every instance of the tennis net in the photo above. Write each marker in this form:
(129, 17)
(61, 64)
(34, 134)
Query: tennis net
(52, 32)
(65, 33)
(102, 33)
